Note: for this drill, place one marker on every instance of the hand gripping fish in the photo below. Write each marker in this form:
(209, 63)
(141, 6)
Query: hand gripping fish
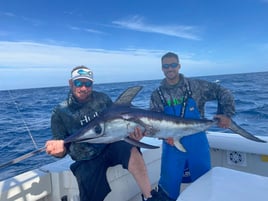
(118, 121)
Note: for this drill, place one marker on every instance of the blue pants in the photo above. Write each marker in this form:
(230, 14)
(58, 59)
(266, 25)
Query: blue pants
(178, 167)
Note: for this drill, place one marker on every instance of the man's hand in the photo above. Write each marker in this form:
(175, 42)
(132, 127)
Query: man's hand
(223, 121)
(170, 141)
(55, 148)
(137, 134)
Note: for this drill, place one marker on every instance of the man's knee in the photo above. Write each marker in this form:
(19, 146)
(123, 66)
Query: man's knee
(136, 161)
(135, 154)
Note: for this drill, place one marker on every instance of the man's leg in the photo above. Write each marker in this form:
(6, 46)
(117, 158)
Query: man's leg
(130, 158)
(91, 179)
(172, 167)
(137, 168)
(198, 155)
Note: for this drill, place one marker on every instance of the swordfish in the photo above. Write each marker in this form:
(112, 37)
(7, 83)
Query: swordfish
(121, 118)
(118, 121)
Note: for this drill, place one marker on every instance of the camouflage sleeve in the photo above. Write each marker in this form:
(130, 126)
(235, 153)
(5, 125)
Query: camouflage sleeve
(57, 126)
(204, 91)
(155, 102)
(104, 102)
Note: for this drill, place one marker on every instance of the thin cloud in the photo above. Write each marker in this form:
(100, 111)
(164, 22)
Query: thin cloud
(28, 54)
(33, 64)
(93, 31)
(35, 22)
(137, 23)
(86, 30)
(8, 14)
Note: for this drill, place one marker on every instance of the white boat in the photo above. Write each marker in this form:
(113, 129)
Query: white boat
(239, 173)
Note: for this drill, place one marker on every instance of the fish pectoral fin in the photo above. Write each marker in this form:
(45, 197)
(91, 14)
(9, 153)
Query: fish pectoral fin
(139, 144)
(179, 146)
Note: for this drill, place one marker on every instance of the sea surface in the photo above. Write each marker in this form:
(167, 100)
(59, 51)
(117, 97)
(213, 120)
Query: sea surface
(25, 114)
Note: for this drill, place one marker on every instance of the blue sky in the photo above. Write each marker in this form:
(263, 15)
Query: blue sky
(123, 40)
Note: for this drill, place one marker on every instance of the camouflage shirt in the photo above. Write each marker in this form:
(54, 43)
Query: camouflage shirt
(202, 92)
(70, 116)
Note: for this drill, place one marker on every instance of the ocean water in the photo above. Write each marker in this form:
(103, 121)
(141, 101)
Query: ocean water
(25, 114)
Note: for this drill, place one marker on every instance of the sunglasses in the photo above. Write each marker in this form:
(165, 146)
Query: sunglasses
(78, 83)
(172, 65)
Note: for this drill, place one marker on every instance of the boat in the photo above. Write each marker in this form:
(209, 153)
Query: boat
(239, 173)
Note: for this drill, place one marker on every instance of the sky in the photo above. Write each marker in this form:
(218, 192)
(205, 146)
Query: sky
(123, 40)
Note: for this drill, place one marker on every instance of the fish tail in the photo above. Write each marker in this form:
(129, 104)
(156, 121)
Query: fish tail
(240, 131)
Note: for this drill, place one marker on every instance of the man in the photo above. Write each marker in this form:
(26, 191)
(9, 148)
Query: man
(186, 98)
(92, 160)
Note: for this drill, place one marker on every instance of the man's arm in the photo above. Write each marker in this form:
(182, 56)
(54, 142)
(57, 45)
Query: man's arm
(56, 146)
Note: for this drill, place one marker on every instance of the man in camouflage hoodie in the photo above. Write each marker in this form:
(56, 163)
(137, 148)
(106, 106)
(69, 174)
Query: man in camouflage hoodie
(93, 160)
(186, 98)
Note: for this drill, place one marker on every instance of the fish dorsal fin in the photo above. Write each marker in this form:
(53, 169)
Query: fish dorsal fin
(128, 95)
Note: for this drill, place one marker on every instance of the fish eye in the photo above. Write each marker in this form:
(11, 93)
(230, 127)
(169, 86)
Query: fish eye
(98, 129)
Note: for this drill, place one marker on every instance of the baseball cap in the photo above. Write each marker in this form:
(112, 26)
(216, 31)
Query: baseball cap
(82, 73)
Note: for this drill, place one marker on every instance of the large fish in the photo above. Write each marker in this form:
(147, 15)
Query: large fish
(118, 121)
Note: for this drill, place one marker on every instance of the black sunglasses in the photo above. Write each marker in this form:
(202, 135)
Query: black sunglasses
(172, 65)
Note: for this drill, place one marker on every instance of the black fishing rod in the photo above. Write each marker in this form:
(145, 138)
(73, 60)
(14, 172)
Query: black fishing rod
(16, 160)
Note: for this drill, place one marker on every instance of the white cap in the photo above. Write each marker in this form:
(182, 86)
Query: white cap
(82, 73)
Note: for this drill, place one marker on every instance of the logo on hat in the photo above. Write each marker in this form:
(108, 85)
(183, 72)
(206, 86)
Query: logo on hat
(82, 73)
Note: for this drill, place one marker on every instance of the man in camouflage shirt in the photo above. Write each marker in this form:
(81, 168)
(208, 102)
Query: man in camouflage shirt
(93, 160)
(186, 98)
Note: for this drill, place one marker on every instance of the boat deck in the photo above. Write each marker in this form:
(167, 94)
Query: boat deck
(240, 172)
(221, 184)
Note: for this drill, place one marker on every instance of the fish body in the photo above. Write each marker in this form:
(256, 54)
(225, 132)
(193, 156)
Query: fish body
(120, 120)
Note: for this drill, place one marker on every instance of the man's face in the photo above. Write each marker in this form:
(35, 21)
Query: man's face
(170, 67)
(81, 89)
